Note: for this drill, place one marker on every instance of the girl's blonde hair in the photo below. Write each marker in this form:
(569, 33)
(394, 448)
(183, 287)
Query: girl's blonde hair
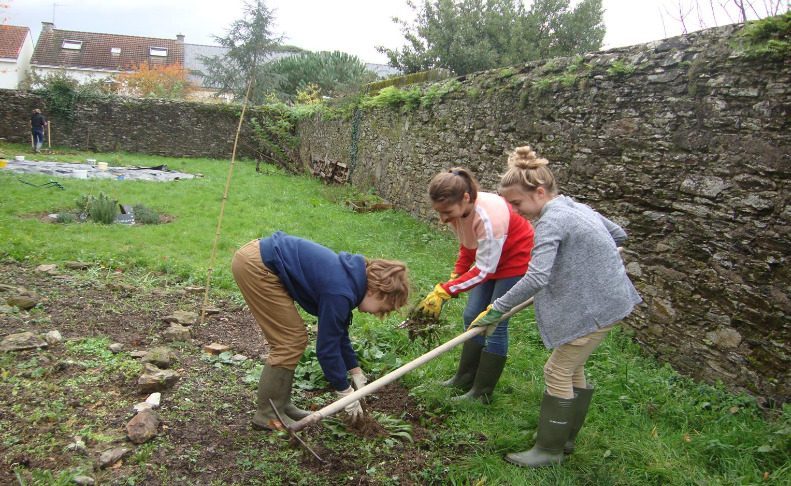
(449, 186)
(527, 170)
(388, 280)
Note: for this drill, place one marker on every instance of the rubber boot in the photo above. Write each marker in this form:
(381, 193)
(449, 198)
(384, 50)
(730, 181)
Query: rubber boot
(275, 384)
(489, 370)
(554, 423)
(582, 400)
(295, 412)
(468, 366)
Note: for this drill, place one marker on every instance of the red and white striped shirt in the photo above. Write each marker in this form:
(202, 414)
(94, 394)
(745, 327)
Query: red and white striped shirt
(493, 237)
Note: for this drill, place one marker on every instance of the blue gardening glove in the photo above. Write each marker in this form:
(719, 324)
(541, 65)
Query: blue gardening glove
(488, 319)
(432, 304)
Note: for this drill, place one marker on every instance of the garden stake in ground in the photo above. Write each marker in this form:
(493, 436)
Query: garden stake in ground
(370, 388)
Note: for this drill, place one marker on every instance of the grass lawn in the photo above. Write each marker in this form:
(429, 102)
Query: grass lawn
(647, 425)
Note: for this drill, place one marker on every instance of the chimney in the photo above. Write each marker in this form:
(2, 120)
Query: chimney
(47, 26)
(180, 38)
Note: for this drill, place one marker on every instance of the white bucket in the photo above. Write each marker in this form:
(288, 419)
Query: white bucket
(101, 165)
(80, 173)
(20, 158)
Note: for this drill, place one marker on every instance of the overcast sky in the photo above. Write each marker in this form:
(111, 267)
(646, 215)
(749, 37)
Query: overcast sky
(353, 26)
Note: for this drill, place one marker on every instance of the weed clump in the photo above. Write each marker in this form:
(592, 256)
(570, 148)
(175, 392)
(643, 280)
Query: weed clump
(102, 209)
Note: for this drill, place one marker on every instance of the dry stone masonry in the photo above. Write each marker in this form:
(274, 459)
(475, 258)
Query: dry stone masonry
(685, 142)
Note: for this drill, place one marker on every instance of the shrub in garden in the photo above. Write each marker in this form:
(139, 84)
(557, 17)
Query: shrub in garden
(145, 215)
(102, 209)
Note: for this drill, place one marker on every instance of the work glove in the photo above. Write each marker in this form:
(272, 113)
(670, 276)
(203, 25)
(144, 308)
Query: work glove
(454, 275)
(488, 319)
(354, 409)
(359, 379)
(432, 304)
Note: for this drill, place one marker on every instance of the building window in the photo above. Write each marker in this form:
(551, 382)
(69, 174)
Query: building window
(157, 51)
(115, 51)
(74, 45)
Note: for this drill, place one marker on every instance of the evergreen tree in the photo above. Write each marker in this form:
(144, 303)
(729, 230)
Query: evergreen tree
(250, 42)
(473, 35)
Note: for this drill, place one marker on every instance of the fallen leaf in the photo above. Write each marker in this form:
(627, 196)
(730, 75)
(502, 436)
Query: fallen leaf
(687, 438)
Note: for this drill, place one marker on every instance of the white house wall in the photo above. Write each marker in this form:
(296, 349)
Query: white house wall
(12, 71)
(81, 75)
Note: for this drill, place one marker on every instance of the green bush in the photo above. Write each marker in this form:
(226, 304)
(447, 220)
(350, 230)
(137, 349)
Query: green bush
(102, 209)
(145, 215)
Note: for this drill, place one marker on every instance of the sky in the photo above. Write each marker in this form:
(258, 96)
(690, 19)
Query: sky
(353, 26)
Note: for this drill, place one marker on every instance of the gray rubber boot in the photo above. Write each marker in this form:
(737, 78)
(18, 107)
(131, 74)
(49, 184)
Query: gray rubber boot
(489, 370)
(295, 412)
(468, 366)
(275, 384)
(582, 401)
(554, 423)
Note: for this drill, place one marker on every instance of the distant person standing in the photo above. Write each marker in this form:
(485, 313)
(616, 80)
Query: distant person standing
(37, 124)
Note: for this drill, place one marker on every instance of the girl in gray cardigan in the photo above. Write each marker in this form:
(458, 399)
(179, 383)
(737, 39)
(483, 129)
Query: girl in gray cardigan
(581, 290)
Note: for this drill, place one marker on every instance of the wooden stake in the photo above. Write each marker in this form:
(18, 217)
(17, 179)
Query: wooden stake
(49, 136)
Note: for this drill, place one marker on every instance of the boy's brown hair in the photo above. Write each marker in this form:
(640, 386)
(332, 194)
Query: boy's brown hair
(388, 280)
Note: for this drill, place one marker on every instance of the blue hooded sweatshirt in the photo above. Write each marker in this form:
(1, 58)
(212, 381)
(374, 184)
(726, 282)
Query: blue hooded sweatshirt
(327, 285)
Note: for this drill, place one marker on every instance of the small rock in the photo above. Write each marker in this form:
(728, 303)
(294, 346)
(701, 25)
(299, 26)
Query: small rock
(138, 354)
(48, 268)
(24, 302)
(154, 399)
(185, 318)
(6, 309)
(211, 311)
(116, 348)
(21, 341)
(239, 358)
(142, 407)
(77, 265)
(111, 456)
(195, 290)
(215, 348)
(52, 337)
(155, 379)
(161, 357)
(143, 427)
(177, 332)
(83, 480)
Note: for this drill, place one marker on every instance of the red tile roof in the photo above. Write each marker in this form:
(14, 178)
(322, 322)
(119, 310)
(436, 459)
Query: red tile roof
(12, 38)
(95, 52)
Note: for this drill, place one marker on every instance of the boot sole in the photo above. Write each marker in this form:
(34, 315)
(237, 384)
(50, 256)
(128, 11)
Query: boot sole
(515, 463)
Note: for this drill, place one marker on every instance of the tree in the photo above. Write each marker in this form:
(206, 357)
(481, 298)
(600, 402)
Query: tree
(700, 14)
(472, 35)
(168, 82)
(250, 42)
(332, 72)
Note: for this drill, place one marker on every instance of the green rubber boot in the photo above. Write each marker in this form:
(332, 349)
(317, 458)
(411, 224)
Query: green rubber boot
(275, 384)
(489, 370)
(582, 400)
(468, 366)
(554, 423)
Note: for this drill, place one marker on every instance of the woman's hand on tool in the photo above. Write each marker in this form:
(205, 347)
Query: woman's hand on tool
(433, 302)
(359, 379)
(354, 409)
(488, 319)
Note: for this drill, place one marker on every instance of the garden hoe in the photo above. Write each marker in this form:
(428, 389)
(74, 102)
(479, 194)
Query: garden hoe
(370, 388)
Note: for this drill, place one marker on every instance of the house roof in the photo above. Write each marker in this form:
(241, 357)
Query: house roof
(196, 68)
(90, 50)
(12, 38)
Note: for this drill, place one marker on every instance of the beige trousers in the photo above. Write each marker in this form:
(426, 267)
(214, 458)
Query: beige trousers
(274, 310)
(565, 368)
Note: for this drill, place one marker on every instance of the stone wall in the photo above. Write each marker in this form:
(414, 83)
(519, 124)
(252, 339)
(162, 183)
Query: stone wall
(172, 128)
(684, 142)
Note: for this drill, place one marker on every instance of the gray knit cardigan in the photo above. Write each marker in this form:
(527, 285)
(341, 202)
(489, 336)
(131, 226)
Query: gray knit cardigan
(576, 274)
